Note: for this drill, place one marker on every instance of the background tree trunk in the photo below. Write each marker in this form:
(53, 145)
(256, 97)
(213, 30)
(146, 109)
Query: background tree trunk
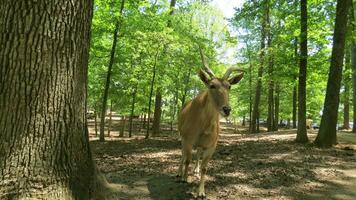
(276, 109)
(327, 133)
(346, 124)
(132, 110)
(302, 136)
(123, 124)
(157, 114)
(255, 113)
(110, 119)
(353, 66)
(151, 94)
(108, 76)
(294, 117)
(45, 154)
(270, 114)
(96, 123)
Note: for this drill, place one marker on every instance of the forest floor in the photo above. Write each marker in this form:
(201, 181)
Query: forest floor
(244, 166)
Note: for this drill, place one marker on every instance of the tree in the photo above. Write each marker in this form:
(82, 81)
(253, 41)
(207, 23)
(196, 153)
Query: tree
(109, 73)
(327, 134)
(353, 65)
(256, 110)
(44, 144)
(302, 129)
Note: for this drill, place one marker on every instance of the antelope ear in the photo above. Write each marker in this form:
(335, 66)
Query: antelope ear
(204, 76)
(235, 79)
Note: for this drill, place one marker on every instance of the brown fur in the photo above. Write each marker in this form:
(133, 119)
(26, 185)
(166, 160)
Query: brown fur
(198, 124)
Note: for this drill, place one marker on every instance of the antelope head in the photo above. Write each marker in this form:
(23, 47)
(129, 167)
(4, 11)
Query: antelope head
(219, 88)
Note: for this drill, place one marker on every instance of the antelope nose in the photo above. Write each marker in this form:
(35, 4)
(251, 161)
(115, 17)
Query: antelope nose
(227, 110)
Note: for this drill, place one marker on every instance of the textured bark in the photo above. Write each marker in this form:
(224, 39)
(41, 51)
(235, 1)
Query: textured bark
(44, 145)
(327, 133)
(108, 76)
(157, 114)
(346, 124)
(133, 102)
(256, 112)
(302, 136)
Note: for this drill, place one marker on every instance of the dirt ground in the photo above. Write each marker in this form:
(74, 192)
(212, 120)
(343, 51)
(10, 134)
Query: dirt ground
(244, 166)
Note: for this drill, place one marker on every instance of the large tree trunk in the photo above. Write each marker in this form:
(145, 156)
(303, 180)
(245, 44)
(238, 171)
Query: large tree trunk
(44, 143)
(347, 89)
(302, 136)
(157, 114)
(255, 113)
(327, 133)
(108, 76)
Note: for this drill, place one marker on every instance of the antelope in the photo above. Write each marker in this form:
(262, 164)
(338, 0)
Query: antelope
(198, 122)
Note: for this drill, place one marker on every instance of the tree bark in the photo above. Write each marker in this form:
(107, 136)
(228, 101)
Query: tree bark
(157, 114)
(327, 133)
(255, 113)
(302, 136)
(108, 76)
(44, 143)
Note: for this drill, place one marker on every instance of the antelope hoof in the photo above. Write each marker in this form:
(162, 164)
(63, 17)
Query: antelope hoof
(197, 173)
(201, 196)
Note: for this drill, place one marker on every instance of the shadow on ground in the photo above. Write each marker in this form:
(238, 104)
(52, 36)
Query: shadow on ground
(266, 166)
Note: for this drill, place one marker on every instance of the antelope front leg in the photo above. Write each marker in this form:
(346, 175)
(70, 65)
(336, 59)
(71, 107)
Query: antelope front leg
(197, 165)
(207, 153)
(180, 170)
(187, 158)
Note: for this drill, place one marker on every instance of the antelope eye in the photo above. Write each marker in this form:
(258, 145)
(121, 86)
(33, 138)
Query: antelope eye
(212, 87)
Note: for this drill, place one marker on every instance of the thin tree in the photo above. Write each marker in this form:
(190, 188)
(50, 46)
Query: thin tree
(108, 76)
(353, 65)
(302, 136)
(327, 133)
(256, 110)
(270, 113)
(346, 81)
(158, 100)
(294, 117)
(44, 142)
